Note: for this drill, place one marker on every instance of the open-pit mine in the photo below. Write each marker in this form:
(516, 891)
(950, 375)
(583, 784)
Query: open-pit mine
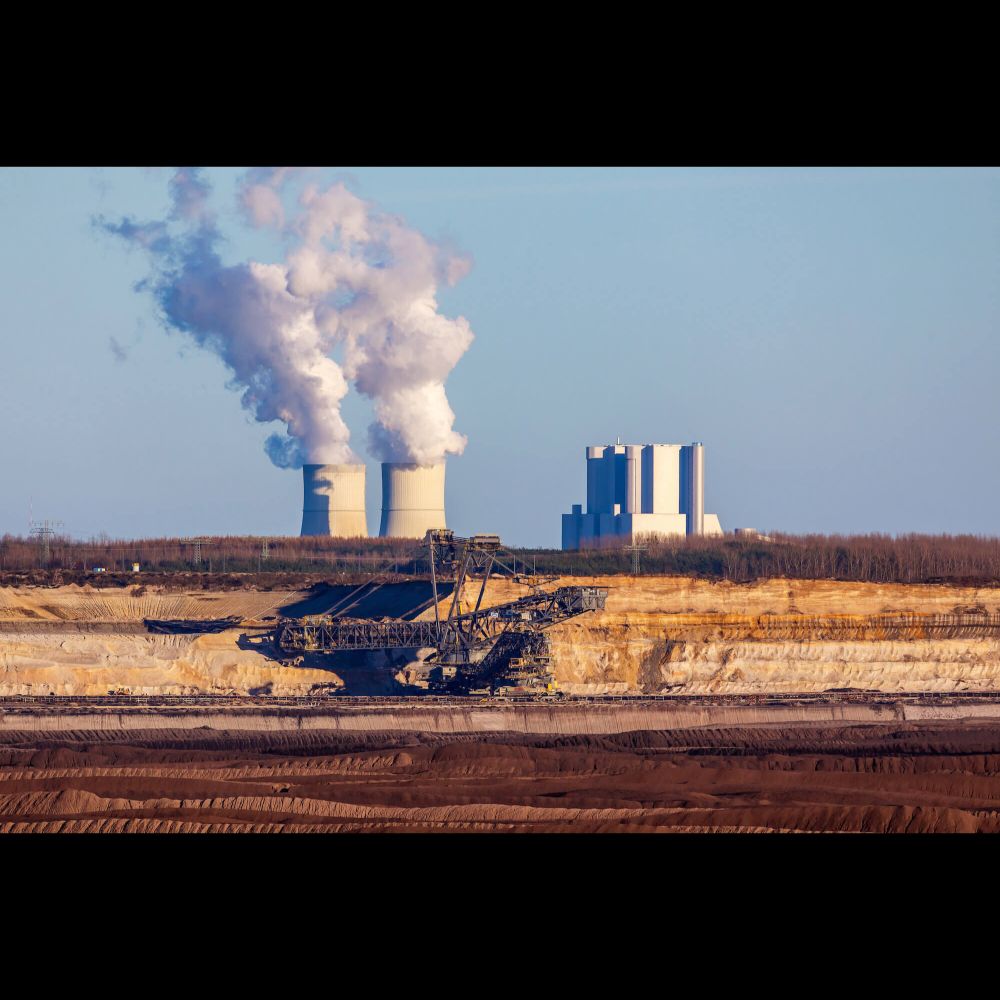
(681, 704)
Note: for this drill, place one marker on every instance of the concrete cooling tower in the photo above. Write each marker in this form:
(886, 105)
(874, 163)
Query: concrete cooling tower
(412, 499)
(334, 503)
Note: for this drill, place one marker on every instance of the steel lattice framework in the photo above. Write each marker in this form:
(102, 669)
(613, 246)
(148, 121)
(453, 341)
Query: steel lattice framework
(457, 638)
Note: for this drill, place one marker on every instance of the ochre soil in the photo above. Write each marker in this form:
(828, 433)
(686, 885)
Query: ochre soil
(927, 777)
(656, 635)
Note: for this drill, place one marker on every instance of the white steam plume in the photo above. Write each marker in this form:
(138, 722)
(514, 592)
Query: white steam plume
(355, 279)
(374, 283)
(265, 335)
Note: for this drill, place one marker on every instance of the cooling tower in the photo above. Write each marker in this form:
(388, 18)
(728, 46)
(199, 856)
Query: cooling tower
(334, 502)
(412, 499)
(696, 489)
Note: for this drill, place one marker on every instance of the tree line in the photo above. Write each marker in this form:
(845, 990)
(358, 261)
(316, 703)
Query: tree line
(869, 558)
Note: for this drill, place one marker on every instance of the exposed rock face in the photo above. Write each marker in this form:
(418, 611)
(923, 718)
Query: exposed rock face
(94, 664)
(617, 659)
(657, 634)
(131, 604)
(664, 634)
(677, 595)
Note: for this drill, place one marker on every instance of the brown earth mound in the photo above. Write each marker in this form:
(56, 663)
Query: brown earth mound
(927, 777)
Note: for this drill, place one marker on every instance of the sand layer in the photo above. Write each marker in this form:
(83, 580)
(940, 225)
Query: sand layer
(656, 635)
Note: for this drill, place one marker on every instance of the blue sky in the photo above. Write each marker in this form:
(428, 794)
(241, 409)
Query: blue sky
(831, 335)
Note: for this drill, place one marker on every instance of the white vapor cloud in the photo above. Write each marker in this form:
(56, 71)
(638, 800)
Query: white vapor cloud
(355, 279)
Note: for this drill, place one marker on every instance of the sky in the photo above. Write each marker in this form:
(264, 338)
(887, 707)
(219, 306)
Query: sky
(832, 336)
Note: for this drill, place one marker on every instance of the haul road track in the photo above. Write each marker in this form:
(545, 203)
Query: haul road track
(124, 718)
(341, 702)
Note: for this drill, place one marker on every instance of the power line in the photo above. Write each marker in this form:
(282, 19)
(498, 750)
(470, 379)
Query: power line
(635, 548)
(45, 530)
(197, 543)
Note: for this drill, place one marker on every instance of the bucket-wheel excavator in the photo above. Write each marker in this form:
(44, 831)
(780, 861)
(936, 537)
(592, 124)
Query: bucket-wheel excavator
(501, 649)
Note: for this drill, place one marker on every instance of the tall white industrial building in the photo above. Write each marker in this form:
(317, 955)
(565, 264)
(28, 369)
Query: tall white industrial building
(640, 489)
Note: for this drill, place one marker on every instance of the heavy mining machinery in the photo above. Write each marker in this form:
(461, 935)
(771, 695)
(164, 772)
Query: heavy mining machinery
(500, 648)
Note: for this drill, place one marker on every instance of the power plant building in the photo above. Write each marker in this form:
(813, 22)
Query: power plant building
(634, 490)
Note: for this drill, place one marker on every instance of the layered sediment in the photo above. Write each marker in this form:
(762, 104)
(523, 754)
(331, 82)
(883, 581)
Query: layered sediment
(682, 636)
(942, 777)
(656, 635)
